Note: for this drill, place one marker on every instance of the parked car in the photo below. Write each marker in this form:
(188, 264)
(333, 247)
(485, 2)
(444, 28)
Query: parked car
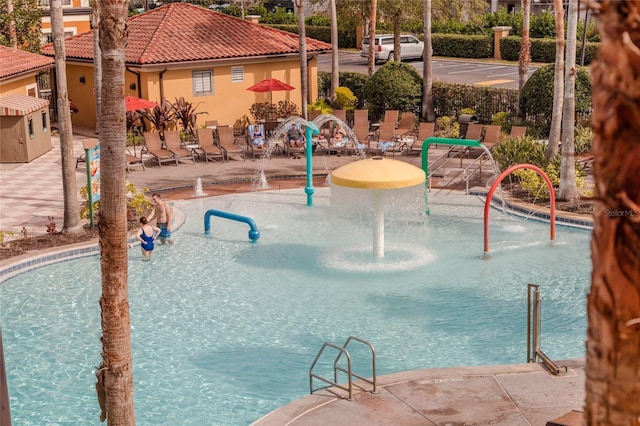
(410, 47)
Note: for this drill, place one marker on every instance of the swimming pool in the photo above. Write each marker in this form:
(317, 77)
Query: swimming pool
(224, 330)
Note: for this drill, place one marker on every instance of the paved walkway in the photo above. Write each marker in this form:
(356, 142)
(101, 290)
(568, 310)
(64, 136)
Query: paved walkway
(524, 394)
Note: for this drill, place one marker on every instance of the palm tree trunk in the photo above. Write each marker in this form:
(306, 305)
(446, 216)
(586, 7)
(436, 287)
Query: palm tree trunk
(302, 44)
(613, 333)
(72, 222)
(524, 56)
(116, 372)
(428, 112)
(372, 37)
(558, 83)
(397, 49)
(335, 71)
(568, 189)
(97, 59)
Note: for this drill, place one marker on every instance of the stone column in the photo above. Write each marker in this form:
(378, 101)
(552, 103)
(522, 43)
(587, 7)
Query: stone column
(498, 34)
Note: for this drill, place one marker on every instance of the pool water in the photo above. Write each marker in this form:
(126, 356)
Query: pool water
(225, 330)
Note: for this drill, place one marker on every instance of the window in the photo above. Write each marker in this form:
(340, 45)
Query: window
(31, 128)
(44, 121)
(202, 83)
(237, 74)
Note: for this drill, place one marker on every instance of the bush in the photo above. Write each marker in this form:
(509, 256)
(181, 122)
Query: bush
(537, 94)
(544, 50)
(356, 82)
(511, 151)
(395, 85)
(583, 139)
(447, 127)
(345, 98)
(462, 46)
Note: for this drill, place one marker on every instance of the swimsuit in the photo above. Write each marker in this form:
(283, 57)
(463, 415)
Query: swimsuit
(164, 232)
(257, 139)
(147, 241)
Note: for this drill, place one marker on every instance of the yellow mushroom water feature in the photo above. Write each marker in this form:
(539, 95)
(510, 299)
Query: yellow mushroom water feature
(378, 174)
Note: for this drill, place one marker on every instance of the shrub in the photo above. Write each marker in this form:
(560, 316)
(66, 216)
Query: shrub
(447, 127)
(462, 46)
(345, 98)
(395, 85)
(583, 139)
(499, 118)
(510, 151)
(137, 202)
(356, 82)
(537, 94)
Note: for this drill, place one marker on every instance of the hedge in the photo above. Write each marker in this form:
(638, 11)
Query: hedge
(544, 50)
(462, 46)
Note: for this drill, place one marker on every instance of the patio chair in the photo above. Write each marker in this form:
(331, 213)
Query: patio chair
(133, 161)
(294, 151)
(361, 144)
(174, 144)
(406, 124)
(360, 116)
(492, 135)
(228, 142)
(153, 147)
(86, 144)
(425, 130)
(208, 145)
(518, 131)
(340, 114)
(474, 131)
(255, 150)
(385, 139)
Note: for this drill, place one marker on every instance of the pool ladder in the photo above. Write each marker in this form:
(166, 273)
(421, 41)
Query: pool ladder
(534, 318)
(342, 350)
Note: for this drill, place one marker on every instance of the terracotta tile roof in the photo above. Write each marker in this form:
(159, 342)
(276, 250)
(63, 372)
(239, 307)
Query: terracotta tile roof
(182, 32)
(14, 62)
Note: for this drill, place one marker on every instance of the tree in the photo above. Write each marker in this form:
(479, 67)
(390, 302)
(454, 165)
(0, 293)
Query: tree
(373, 16)
(13, 38)
(396, 11)
(335, 72)
(302, 44)
(115, 374)
(26, 17)
(459, 10)
(97, 58)
(613, 307)
(428, 112)
(525, 46)
(72, 222)
(558, 83)
(568, 189)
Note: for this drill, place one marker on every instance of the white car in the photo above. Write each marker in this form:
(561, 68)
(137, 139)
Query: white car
(410, 47)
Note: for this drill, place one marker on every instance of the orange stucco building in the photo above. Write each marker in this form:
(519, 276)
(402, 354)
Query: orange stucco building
(209, 58)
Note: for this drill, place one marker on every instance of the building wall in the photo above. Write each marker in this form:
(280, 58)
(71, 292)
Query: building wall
(23, 86)
(229, 102)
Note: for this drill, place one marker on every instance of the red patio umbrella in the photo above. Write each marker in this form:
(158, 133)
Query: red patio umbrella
(134, 104)
(270, 85)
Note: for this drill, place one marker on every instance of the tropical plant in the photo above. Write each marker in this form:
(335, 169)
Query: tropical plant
(160, 116)
(286, 109)
(320, 105)
(447, 127)
(510, 151)
(185, 113)
(262, 110)
(583, 139)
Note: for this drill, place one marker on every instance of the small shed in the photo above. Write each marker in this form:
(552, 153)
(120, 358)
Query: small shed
(25, 132)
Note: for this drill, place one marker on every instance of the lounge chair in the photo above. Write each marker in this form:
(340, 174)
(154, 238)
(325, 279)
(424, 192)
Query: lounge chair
(228, 142)
(474, 131)
(340, 114)
(518, 131)
(294, 151)
(361, 144)
(425, 130)
(255, 150)
(208, 145)
(385, 139)
(360, 116)
(153, 147)
(174, 144)
(492, 135)
(86, 144)
(133, 161)
(406, 124)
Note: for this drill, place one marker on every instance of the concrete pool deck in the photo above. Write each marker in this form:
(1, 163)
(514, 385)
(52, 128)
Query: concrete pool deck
(519, 394)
